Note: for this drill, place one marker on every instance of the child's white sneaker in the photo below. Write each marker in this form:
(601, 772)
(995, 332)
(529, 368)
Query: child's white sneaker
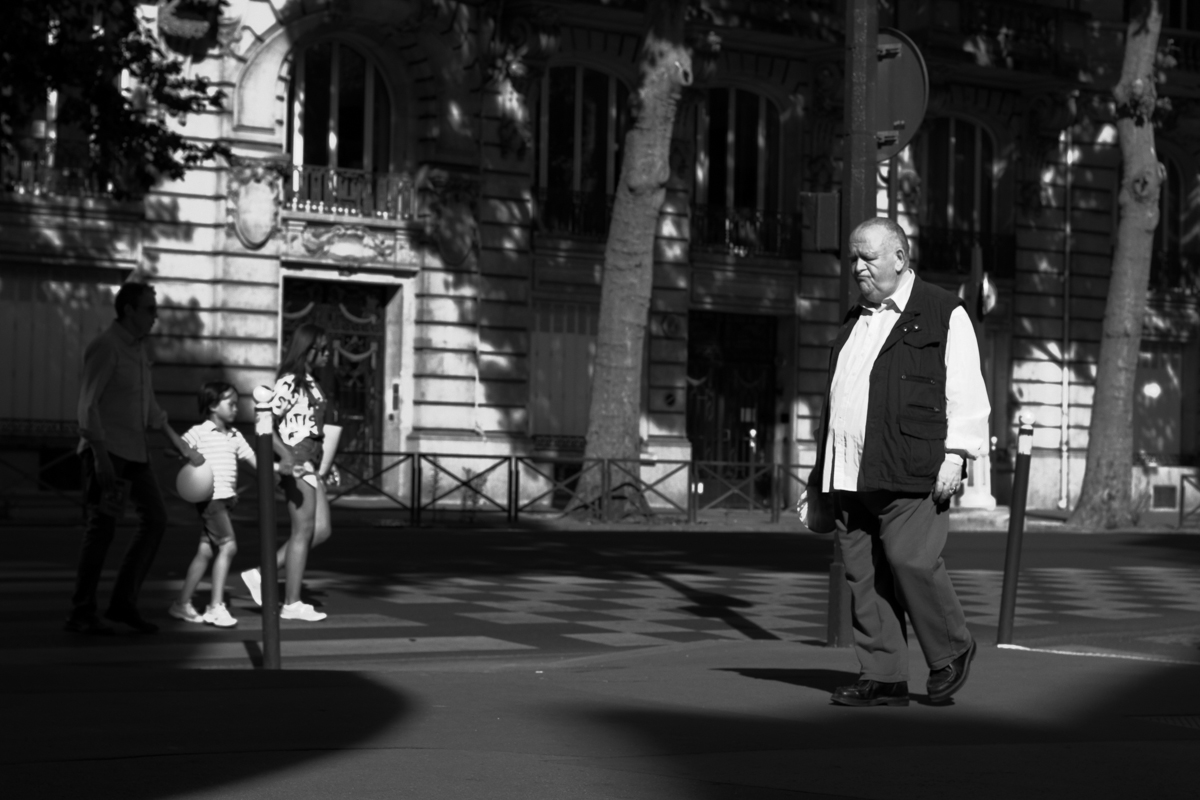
(219, 615)
(253, 580)
(301, 611)
(184, 611)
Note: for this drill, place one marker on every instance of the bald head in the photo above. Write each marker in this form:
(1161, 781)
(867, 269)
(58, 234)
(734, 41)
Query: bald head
(878, 258)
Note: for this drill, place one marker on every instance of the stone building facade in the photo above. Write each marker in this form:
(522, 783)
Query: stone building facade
(431, 182)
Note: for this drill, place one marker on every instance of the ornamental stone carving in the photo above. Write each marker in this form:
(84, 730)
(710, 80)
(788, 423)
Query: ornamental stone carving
(254, 199)
(350, 246)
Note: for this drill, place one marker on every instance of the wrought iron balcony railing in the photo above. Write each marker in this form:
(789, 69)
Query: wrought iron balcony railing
(745, 231)
(32, 174)
(946, 250)
(351, 192)
(580, 215)
(1032, 37)
(1175, 274)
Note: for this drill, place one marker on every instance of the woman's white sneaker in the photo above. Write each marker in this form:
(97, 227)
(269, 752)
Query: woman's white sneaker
(301, 611)
(184, 611)
(253, 580)
(219, 615)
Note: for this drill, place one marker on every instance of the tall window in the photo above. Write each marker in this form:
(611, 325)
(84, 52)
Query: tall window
(340, 137)
(955, 161)
(340, 114)
(584, 116)
(1175, 268)
(737, 189)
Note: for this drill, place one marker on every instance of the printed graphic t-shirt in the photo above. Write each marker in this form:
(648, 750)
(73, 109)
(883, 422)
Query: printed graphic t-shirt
(301, 414)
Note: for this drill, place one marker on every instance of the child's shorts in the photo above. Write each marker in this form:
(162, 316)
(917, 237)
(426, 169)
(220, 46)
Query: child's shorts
(218, 528)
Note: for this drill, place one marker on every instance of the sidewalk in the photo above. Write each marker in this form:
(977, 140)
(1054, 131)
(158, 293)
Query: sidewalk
(712, 721)
(365, 711)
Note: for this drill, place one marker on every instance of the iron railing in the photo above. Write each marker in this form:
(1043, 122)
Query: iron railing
(1032, 37)
(1174, 273)
(430, 486)
(745, 231)
(351, 192)
(949, 250)
(580, 215)
(35, 171)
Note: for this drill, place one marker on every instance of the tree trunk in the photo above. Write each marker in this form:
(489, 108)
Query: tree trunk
(1105, 500)
(615, 412)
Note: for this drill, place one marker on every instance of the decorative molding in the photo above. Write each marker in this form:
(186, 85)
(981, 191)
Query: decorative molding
(350, 246)
(254, 199)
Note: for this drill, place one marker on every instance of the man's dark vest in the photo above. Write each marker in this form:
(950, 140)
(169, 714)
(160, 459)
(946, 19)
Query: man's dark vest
(905, 439)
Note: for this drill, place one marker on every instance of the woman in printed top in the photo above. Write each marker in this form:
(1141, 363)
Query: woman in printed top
(306, 441)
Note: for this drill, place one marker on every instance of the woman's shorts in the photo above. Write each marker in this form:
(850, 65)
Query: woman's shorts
(218, 528)
(302, 461)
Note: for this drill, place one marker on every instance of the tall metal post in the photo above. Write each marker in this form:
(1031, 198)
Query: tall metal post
(858, 166)
(263, 427)
(1016, 529)
(858, 205)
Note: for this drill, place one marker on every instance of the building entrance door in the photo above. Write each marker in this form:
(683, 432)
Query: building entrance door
(731, 402)
(354, 316)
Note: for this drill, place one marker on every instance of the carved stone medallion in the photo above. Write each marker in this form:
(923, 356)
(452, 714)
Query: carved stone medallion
(254, 200)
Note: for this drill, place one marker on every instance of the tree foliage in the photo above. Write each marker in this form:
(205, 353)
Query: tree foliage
(121, 96)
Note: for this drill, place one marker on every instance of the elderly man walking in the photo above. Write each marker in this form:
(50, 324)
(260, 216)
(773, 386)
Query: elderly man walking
(907, 405)
(116, 408)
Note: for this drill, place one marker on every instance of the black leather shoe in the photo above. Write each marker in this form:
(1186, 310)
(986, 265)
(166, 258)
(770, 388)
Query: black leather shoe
(872, 693)
(88, 626)
(130, 617)
(944, 682)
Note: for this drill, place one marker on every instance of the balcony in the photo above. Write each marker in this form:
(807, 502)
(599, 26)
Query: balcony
(1029, 37)
(949, 251)
(745, 232)
(350, 192)
(30, 174)
(578, 215)
(1174, 274)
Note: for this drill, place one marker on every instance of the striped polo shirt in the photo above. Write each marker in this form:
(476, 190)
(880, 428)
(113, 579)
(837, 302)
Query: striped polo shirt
(221, 450)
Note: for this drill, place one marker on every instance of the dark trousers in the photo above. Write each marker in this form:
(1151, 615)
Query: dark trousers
(892, 545)
(98, 535)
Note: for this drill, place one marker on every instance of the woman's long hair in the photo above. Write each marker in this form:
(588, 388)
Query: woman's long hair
(295, 360)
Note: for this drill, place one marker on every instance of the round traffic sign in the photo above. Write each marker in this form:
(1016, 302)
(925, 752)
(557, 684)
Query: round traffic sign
(901, 92)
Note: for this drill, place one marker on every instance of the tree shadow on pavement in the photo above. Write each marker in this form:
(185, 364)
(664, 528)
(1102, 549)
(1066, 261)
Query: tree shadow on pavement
(150, 733)
(1116, 734)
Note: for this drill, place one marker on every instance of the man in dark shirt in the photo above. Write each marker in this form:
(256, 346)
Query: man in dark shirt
(116, 408)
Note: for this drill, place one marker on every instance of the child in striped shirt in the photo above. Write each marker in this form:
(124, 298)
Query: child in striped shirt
(222, 446)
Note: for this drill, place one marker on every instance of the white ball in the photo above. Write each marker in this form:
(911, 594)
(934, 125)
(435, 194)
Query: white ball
(195, 484)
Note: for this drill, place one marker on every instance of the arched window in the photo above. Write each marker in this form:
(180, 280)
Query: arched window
(737, 186)
(583, 118)
(340, 132)
(955, 160)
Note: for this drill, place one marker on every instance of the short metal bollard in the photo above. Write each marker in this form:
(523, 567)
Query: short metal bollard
(839, 624)
(1016, 529)
(265, 453)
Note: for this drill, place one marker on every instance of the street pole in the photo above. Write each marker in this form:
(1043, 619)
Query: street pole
(263, 427)
(858, 205)
(1016, 530)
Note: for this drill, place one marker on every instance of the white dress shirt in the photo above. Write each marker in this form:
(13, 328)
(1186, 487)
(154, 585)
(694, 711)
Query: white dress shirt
(967, 406)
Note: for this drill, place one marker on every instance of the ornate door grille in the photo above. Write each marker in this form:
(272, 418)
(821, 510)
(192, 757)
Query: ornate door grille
(354, 316)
